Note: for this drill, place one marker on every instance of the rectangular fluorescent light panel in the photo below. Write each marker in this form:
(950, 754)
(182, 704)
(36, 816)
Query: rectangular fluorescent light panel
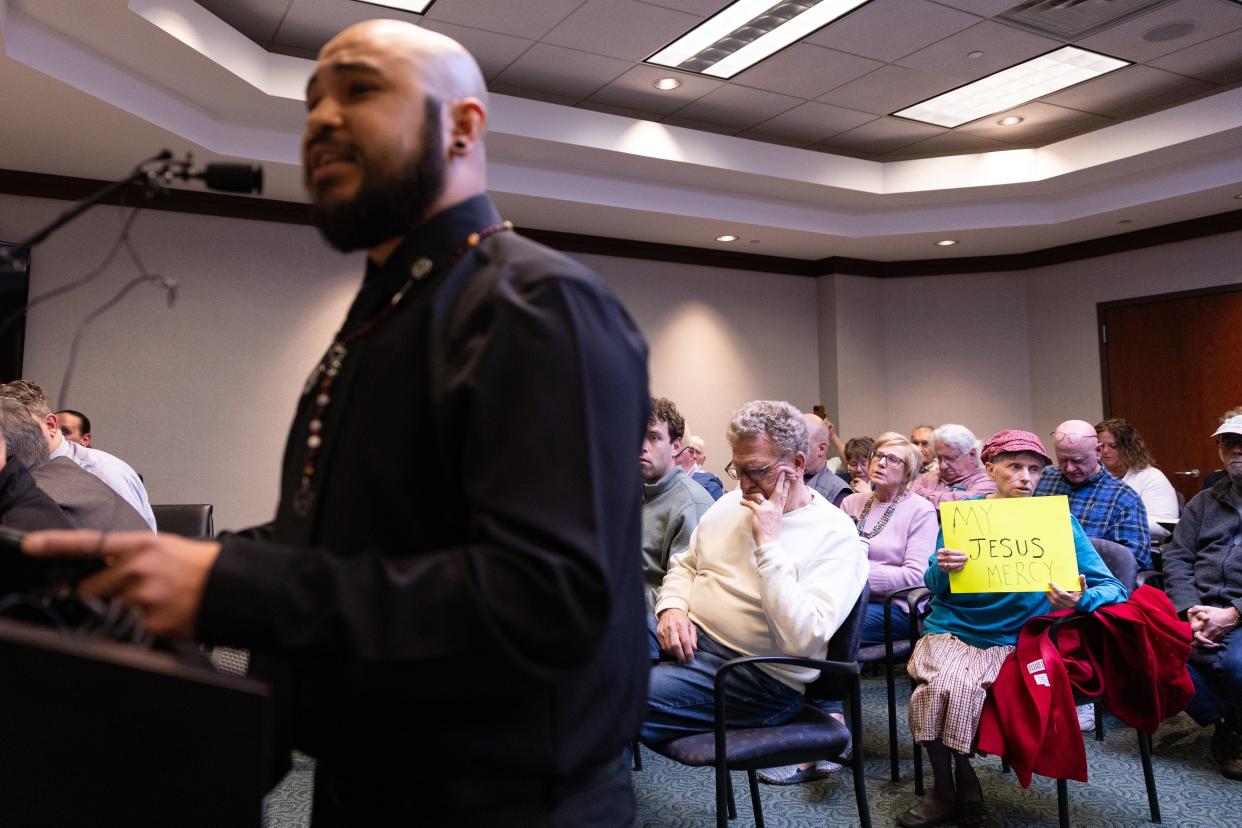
(746, 32)
(416, 6)
(1012, 87)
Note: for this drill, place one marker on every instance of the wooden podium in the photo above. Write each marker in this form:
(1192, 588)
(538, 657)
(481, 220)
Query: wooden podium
(96, 733)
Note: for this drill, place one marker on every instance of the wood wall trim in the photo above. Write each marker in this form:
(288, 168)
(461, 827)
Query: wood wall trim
(43, 185)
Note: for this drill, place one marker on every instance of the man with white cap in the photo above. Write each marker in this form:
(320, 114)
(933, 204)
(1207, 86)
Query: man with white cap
(1203, 578)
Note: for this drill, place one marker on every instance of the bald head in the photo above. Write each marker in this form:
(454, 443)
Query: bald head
(818, 442)
(1077, 449)
(394, 133)
(441, 65)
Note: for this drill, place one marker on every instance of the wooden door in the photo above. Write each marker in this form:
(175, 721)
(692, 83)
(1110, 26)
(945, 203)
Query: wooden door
(1172, 364)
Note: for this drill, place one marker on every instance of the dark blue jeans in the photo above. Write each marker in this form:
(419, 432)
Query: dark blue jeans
(680, 695)
(1217, 675)
(873, 624)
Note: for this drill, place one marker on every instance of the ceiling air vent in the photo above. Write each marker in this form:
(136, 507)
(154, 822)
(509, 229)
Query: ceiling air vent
(1072, 19)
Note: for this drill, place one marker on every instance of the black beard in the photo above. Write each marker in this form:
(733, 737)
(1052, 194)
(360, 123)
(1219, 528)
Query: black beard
(387, 207)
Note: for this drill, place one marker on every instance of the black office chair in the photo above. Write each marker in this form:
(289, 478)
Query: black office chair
(811, 736)
(892, 651)
(190, 520)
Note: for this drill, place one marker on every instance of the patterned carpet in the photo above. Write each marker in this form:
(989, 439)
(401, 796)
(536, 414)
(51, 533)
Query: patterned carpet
(1192, 793)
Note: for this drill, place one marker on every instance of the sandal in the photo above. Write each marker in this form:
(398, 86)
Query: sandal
(793, 775)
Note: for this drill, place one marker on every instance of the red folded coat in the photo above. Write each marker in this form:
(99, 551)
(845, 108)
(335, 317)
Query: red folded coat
(1132, 655)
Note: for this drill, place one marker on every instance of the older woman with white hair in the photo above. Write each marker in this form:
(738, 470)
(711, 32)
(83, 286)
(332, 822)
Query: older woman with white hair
(898, 527)
(959, 473)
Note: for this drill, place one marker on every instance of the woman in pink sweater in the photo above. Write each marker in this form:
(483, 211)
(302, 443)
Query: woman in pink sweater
(898, 526)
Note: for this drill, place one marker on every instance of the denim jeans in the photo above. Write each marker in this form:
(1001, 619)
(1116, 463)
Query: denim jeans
(873, 624)
(680, 698)
(653, 643)
(1217, 675)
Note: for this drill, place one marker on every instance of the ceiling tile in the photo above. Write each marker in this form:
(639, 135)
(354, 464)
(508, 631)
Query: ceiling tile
(624, 112)
(625, 29)
(1129, 92)
(737, 106)
(805, 71)
(634, 90)
(562, 71)
(888, 89)
(811, 122)
(256, 19)
(312, 23)
(890, 29)
(702, 126)
(493, 51)
(879, 136)
(1218, 60)
(497, 88)
(293, 51)
(522, 19)
(1002, 46)
(1040, 122)
(1126, 40)
(949, 143)
(983, 8)
(703, 8)
(753, 135)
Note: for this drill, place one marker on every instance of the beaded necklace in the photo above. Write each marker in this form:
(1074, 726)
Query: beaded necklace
(884, 519)
(326, 372)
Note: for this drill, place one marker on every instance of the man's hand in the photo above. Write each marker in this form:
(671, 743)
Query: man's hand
(162, 575)
(1060, 599)
(677, 634)
(766, 512)
(950, 560)
(1210, 625)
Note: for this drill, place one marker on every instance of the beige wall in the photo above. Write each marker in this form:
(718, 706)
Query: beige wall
(1061, 301)
(199, 398)
(720, 338)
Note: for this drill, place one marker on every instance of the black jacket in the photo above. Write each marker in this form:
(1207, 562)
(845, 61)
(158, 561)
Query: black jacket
(1202, 563)
(468, 580)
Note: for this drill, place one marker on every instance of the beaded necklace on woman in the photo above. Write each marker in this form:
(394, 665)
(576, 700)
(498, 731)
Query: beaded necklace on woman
(884, 518)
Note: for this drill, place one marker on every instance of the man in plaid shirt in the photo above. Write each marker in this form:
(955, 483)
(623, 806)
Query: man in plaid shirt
(1106, 507)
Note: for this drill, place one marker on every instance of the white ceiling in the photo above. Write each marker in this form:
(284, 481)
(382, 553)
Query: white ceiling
(796, 155)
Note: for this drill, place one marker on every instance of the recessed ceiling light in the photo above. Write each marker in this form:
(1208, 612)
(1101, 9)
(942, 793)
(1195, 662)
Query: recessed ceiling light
(1012, 87)
(1011, 120)
(1126, 221)
(746, 32)
(416, 6)
(728, 237)
(946, 242)
(666, 84)
(975, 55)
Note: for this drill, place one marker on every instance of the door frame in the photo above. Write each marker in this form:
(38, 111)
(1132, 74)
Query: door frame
(1101, 307)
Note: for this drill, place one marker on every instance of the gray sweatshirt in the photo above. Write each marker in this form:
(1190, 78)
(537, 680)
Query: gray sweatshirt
(1203, 562)
(672, 507)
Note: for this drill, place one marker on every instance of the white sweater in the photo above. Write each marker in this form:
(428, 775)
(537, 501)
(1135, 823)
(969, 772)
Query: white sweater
(783, 598)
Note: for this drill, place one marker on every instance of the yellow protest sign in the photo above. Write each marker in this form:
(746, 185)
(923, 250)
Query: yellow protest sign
(1015, 544)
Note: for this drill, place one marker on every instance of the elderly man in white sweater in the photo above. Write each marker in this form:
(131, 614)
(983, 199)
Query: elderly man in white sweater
(772, 569)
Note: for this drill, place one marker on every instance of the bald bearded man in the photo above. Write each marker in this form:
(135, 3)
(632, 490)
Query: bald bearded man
(462, 613)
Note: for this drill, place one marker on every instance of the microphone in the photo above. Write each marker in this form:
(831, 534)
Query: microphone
(231, 178)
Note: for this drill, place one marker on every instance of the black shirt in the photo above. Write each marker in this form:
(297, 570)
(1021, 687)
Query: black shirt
(468, 578)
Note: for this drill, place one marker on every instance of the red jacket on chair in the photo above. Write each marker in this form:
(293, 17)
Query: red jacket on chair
(1132, 655)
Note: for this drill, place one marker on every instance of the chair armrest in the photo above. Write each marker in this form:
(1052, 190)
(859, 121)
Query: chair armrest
(1150, 577)
(912, 594)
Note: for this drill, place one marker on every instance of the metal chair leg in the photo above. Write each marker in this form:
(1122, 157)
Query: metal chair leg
(723, 800)
(1063, 803)
(637, 754)
(729, 790)
(754, 797)
(892, 720)
(1098, 712)
(1153, 800)
(1004, 765)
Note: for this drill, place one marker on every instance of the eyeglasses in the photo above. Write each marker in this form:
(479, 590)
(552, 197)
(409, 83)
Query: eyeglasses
(1230, 443)
(857, 463)
(755, 475)
(890, 459)
(945, 459)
